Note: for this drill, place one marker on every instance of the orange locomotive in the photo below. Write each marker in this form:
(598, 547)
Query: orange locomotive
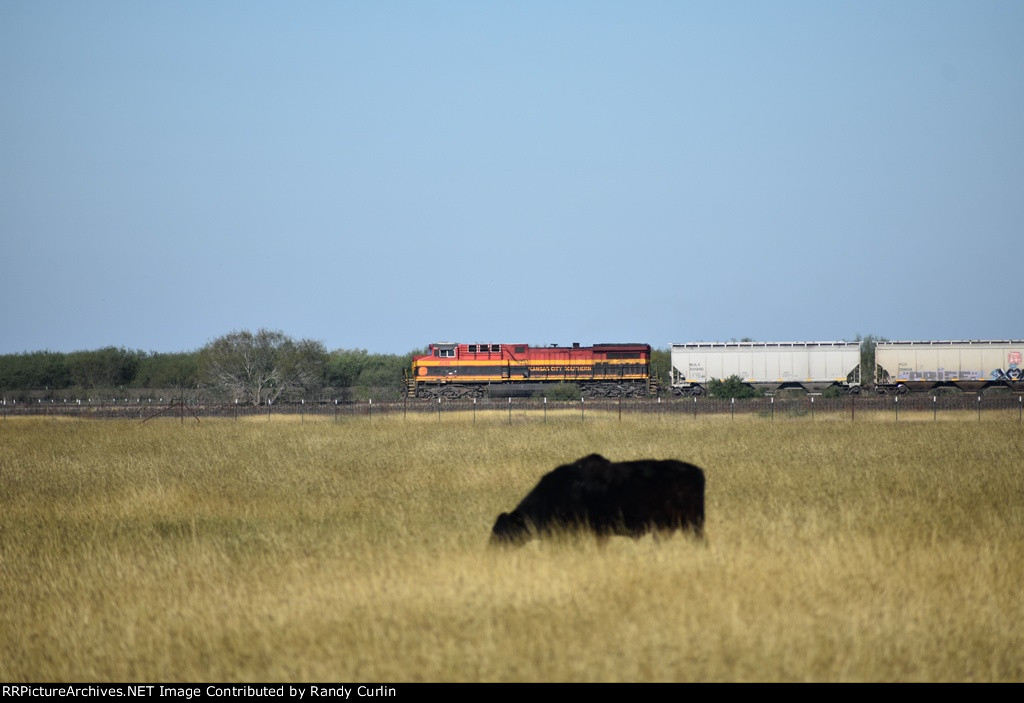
(452, 370)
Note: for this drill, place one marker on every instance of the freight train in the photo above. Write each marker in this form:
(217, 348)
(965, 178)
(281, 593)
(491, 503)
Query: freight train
(453, 370)
(968, 365)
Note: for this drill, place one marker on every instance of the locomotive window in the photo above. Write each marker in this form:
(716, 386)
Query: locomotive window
(496, 348)
(520, 350)
(444, 352)
(472, 349)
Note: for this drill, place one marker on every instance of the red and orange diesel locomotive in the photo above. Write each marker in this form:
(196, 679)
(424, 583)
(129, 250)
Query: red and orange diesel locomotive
(452, 370)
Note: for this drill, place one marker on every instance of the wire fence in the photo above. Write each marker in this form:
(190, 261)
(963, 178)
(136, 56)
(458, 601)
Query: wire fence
(517, 410)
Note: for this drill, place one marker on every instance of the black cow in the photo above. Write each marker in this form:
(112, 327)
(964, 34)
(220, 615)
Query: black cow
(628, 498)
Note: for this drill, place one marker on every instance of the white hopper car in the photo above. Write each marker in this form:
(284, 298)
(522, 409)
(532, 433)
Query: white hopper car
(813, 366)
(970, 365)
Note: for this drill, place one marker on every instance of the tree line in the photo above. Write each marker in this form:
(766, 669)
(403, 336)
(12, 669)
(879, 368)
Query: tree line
(258, 368)
(253, 367)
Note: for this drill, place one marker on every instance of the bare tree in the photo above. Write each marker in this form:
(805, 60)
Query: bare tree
(264, 366)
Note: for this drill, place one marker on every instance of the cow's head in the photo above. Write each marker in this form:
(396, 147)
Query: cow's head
(510, 529)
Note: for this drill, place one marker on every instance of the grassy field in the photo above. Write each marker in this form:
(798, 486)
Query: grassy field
(356, 550)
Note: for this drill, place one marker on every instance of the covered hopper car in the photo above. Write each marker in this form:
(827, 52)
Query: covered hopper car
(453, 370)
(812, 366)
(969, 365)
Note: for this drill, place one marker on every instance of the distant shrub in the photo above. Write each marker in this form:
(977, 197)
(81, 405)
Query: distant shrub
(732, 387)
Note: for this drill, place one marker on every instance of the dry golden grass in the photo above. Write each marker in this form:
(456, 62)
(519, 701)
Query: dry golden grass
(310, 549)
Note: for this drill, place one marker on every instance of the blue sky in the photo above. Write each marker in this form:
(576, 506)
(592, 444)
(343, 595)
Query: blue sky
(381, 175)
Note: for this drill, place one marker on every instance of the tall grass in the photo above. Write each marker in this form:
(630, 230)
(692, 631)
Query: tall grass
(298, 550)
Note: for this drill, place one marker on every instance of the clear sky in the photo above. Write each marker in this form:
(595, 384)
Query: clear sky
(381, 174)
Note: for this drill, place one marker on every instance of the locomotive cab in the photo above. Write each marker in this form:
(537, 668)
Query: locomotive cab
(444, 350)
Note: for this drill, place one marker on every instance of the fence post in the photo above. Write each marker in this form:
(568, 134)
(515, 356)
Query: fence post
(732, 412)
(979, 406)
(545, 410)
(812, 408)
(773, 408)
(510, 410)
(474, 411)
(935, 407)
(896, 402)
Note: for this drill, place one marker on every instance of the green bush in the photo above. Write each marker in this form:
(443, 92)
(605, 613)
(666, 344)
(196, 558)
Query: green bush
(732, 387)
